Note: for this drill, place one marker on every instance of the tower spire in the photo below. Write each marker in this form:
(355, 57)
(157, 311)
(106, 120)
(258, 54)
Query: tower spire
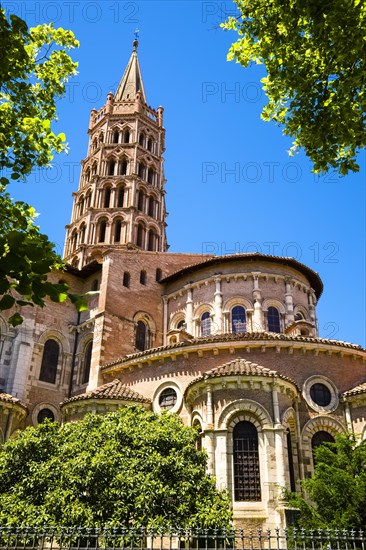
(120, 202)
(131, 81)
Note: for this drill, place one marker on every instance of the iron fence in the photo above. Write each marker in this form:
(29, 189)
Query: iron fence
(120, 538)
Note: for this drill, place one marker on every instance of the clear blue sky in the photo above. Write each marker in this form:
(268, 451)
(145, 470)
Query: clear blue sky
(231, 185)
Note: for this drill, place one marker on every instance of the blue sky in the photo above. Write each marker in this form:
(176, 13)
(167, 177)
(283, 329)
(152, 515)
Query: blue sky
(231, 185)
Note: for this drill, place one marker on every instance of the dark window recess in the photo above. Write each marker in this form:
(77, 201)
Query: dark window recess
(117, 231)
(124, 168)
(95, 285)
(102, 231)
(140, 236)
(142, 336)
(140, 201)
(167, 398)
(107, 197)
(87, 362)
(120, 197)
(143, 277)
(158, 275)
(111, 168)
(320, 394)
(49, 362)
(151, 207)
(43, 414)
(126, 279)
(152, 241)
(247, 483)
(273, 318)
(181, 324)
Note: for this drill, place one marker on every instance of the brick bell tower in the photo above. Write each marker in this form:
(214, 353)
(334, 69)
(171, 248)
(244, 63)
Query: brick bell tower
(120, 201)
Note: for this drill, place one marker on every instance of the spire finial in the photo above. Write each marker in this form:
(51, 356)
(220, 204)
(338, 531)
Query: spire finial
(136, 42)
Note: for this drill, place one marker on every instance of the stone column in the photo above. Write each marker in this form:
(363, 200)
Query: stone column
(189, 311)
(218, 306)
(290, 318)
(257, 320)
(165, 319)
(209, 432)
(347, 410)
(279, 447)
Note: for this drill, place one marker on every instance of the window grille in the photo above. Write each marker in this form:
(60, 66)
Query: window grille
(246, 462)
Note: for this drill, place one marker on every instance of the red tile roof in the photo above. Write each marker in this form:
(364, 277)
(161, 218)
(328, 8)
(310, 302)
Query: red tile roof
(111, 390)
(240, 367)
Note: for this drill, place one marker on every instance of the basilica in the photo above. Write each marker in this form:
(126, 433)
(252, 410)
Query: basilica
(230, 344)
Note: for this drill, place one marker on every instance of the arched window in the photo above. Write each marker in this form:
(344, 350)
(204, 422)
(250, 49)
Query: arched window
(152, 240)
(123, 167)
(120, 196)
(140, 235)
(140, 201)
(141, 139)
(74, 240)
(88, 199)
(81, 206)
(158, 274)
(299, 317)
(247, 482)
(150, 176)
(82, 234)
(94, 168)
(126, 136)
(205, 324)
(107, 197)
(142, 336)
(151, 210)
(126, 279)
(319, 438)
(181, 324)
(95, 144)
(238, 320)
(87, 175)
(101, 138)
(273, 318)
(49, 363)
(149, 144)
(87, 362)
(115, 136)
(117, 231)
(102, 231)
(141, 170)
(143, 277)
(110, 168)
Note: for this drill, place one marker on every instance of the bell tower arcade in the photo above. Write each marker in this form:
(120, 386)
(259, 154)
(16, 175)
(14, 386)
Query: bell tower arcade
(120, 200)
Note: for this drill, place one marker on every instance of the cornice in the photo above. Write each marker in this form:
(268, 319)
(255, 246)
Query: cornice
(263, 342)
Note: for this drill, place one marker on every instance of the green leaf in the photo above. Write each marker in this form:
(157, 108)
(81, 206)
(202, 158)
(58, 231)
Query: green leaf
(15, 320)
(7, 302)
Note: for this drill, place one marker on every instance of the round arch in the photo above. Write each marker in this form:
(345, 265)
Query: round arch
(244, 409)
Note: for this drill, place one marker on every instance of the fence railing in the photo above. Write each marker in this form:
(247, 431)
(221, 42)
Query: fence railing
(82, 538)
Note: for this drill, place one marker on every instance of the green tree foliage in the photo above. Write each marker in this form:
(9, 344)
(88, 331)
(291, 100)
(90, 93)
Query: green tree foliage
(34, 69)
(314, 53)
(337, 491)
(130, 468)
